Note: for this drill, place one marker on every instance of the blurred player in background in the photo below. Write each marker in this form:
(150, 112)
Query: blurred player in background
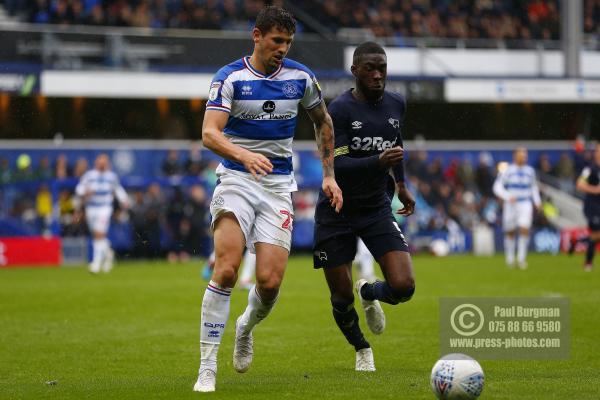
(368, 144)
(517, 187)
(97, 190)
(589, 183)
(364, 261)
(250, 121)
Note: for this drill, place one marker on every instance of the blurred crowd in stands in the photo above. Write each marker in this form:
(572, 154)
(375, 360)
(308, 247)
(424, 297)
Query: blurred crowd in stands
(487, 19)
(171, 219)
(165, 218)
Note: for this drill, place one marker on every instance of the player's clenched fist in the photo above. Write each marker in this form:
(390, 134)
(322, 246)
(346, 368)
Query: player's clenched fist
(257, 164)
(333, 193)
(391, 157)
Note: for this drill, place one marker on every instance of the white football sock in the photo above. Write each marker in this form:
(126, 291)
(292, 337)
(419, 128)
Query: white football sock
(249, 267)
(522, 245)
(215, 312)
(98, 246)
(365, 266)
(509, 249)
(255, 312)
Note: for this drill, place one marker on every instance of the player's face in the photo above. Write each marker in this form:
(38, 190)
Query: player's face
(521, 157)
(370, 72)
(271, 47)
(102, 163)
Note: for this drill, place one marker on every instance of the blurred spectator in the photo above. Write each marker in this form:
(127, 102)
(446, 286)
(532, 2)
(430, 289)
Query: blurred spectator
(24, 172)
(145, 217)
(6, 174)
(498, 19)
(171, 165)
(44, 169)
(195, 165)
(81, 166)
(196, 212)
(484, 174)
(565, 172)
(61, 167)
(43, 206)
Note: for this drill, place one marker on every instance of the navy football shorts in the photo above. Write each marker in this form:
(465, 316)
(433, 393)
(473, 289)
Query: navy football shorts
(335, 244)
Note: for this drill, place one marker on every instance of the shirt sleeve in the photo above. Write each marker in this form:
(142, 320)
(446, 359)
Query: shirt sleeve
(342, 161)
(120, 193)
(499, 189)
(81, 187)
(220, 95)
(535, 190)
(312, 94)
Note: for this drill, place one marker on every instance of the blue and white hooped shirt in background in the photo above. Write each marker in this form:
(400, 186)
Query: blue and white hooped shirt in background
(263, 111)
(518, 182)
(103, 186)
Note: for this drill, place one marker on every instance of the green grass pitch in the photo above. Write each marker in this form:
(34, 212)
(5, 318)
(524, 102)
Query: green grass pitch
(133, 334)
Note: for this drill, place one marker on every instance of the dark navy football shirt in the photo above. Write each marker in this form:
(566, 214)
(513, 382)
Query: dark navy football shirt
(362, 132)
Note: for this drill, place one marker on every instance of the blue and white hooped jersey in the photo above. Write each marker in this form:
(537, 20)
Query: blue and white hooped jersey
(104, 186)
(518, 182)
(262, 115)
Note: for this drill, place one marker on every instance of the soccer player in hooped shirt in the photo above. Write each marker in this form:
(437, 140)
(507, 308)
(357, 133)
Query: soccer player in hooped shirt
(368, 144)
(517, 188)
(250, 120)
(589, 183)
(98, 188)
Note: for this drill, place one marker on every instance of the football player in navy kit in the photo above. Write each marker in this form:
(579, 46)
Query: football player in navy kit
(589, 183)
(368, 150)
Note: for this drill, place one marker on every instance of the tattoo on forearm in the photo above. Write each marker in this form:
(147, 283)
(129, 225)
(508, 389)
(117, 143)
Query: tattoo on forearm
(325, 143)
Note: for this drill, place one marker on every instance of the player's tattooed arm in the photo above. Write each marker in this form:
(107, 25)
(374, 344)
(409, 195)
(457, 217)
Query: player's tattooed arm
(325, 143)
(324, 136)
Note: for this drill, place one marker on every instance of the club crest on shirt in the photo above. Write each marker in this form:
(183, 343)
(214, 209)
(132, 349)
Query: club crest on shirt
(289, 90)
(394, 122)
(214, 91)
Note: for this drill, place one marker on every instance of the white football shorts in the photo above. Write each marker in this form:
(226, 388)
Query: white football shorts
(517, 215)
(264, 216)
(98, 218)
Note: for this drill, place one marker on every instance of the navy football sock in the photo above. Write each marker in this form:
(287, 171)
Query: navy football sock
(382, 291)
(346, 319)
(589, 254)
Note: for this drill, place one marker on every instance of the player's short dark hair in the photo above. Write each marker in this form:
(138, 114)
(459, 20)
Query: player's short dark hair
(273, 16)
(367, 48)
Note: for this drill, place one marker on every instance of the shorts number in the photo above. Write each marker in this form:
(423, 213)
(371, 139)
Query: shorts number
(287, 224)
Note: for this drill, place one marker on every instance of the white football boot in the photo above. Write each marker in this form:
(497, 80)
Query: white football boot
(373, 311)
(206, 381)
(364, 360)
(243, 349)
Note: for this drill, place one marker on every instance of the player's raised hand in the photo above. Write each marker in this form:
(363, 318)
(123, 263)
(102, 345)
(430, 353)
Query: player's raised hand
(406, 197)
(391, 157)
(257, 164)
(333, 193)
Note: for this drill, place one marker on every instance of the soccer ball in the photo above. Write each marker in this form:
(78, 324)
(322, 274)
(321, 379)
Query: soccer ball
(457, 377)
(439, 248)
